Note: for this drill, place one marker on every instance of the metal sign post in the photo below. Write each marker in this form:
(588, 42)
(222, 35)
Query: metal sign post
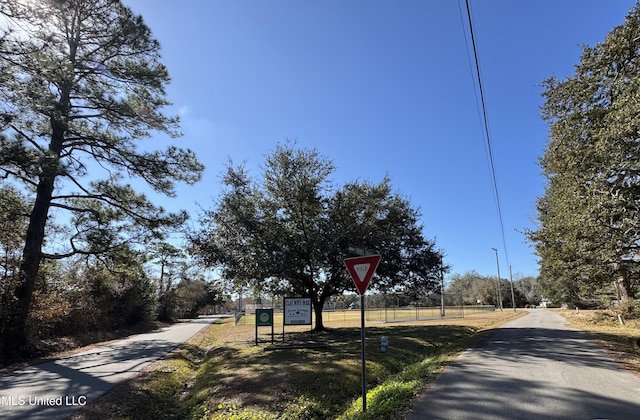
(363, 352)
(361, 270)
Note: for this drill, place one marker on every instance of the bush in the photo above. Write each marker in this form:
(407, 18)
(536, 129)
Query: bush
(629, 309)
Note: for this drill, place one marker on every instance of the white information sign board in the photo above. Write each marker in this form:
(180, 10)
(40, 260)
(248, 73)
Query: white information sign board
(297, 311)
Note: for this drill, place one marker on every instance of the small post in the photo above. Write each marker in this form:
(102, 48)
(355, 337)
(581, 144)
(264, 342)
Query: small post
(384, 343)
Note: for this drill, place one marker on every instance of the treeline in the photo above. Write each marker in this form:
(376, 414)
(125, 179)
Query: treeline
(469, 288)
(472, 288)
(85, 297)
(588, 238)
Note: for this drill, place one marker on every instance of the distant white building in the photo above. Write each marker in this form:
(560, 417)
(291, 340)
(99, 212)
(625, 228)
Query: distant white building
(544, 303)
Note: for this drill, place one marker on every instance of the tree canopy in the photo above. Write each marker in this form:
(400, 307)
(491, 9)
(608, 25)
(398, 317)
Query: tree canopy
(472, 288)
(289, 231)
(82, 85)
(589, 226)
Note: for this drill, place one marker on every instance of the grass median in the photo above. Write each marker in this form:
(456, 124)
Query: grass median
(222, 374)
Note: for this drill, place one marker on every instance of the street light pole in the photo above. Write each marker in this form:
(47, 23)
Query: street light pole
(498, 282)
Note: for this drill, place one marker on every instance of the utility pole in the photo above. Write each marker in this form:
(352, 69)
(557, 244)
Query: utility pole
(513, 297)
(442, 314)
(498, 282)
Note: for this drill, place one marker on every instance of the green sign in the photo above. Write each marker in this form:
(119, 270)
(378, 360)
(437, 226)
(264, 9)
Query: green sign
(264, 317)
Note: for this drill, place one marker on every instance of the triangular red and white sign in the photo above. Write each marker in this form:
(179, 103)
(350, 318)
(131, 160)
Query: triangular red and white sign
(362, 269)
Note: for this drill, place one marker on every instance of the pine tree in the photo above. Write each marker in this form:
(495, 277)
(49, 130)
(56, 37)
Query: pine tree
(82, 86)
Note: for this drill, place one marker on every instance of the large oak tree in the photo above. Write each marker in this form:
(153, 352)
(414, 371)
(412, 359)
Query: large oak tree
(289, 231)
(82, 84)
(589, 231)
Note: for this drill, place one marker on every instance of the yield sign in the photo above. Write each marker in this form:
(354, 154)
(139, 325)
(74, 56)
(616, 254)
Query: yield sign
(362, 269)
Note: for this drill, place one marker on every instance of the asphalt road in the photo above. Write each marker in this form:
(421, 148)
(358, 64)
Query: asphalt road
(535, 367)
(54, 390)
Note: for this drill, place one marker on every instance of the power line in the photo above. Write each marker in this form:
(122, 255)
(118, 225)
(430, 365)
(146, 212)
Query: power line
(485, 120)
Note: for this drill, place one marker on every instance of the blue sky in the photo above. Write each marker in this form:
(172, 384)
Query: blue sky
(382, 88)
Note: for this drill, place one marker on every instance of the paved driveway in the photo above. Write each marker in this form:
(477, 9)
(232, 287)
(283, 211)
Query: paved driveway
(535, 367)
(54, 390)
